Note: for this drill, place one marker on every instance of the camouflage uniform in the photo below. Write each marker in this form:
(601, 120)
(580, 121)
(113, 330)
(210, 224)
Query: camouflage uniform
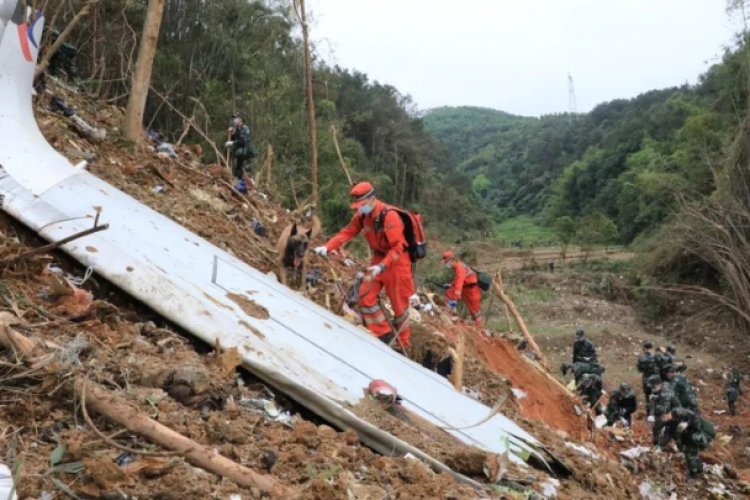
(648, 366)
(242, 152)
(684, 392)
(662, 401)
(693, 436)
(622, 403)
(733, 390)
(665, 359)
(584, 351)
(580, 369)
(590, 390)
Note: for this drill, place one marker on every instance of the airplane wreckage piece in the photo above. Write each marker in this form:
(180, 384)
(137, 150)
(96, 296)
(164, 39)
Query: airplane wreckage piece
(294, 345)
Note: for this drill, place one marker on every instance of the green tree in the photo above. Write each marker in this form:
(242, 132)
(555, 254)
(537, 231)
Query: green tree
(566, 229)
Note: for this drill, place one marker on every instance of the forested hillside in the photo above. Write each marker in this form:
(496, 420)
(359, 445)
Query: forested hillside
(622, 163)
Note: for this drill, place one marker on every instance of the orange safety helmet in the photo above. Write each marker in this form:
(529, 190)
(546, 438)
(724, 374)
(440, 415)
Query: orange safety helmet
(361, 193)
(448, 255)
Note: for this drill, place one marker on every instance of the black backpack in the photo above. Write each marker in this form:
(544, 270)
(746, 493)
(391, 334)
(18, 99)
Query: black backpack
(484, 280)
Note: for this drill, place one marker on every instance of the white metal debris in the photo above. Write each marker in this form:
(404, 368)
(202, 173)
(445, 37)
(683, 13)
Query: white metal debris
(582, 450)
(6, 483)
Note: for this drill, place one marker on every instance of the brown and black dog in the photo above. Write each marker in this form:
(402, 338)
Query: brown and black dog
(292, 246)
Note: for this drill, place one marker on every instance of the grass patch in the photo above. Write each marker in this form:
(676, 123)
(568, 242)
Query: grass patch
(524, 230)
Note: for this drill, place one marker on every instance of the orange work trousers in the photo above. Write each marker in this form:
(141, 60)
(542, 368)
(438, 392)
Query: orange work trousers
(472, 297)
(399, 286)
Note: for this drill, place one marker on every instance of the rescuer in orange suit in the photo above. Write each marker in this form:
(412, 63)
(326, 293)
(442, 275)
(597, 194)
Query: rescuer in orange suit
(464, 287)
(390, 265)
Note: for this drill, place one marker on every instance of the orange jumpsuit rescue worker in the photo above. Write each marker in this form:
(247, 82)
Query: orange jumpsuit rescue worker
(465, 287)
(390, 266)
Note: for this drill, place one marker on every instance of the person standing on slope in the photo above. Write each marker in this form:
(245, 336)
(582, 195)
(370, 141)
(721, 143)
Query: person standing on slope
(465, 287)
(242, 150)
(390, 265)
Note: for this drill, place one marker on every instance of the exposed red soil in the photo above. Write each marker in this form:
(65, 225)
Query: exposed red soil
(546, 401)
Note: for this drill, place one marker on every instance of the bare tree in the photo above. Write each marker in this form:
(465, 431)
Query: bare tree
(299, 9)
(133, 126)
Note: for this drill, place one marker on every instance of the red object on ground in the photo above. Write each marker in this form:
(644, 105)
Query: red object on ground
(383, 391)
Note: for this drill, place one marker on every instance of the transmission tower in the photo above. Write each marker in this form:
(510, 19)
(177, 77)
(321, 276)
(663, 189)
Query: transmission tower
(571, 96)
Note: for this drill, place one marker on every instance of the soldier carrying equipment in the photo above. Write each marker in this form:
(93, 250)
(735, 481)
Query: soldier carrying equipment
(692, 434)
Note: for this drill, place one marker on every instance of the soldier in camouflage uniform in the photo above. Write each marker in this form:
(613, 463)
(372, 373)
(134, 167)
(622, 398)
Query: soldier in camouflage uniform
(661, 401)
(648, 366)
(242, 150)
(665, 358)
(590, 390)
(733, 390)
(578, 370)
(693, 434)
(622, 403)
(682, 389)
(583, 350)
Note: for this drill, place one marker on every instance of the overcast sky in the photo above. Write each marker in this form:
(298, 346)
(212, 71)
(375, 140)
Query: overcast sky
(515, 55)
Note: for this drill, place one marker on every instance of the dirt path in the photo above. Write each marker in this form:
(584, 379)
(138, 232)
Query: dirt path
(513, 260)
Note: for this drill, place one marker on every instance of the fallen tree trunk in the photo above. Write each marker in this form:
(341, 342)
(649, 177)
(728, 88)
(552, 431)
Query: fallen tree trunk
(457, 376)
(497, 287)
(119, 410)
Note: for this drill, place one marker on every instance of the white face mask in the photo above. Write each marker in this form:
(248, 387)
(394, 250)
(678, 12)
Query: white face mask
(365, 209)
(447, 265)
(236, 122)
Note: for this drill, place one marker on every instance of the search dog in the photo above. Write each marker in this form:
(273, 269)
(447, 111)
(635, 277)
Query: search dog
(292, 246)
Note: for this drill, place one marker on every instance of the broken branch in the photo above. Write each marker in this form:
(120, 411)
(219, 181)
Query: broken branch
(52, 246)
(341, 158)
(42, 66)
(497, 287)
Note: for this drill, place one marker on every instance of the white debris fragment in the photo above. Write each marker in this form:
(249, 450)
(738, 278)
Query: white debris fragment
(518, 393)
(719, 412)
(648, 492)
(634, 453)
(582, 450)
(269, 408)
(549, 488)
(409, 456)
(235, 497)
(6, 483)
(472, 392)
(720, 491)
(600, 421)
